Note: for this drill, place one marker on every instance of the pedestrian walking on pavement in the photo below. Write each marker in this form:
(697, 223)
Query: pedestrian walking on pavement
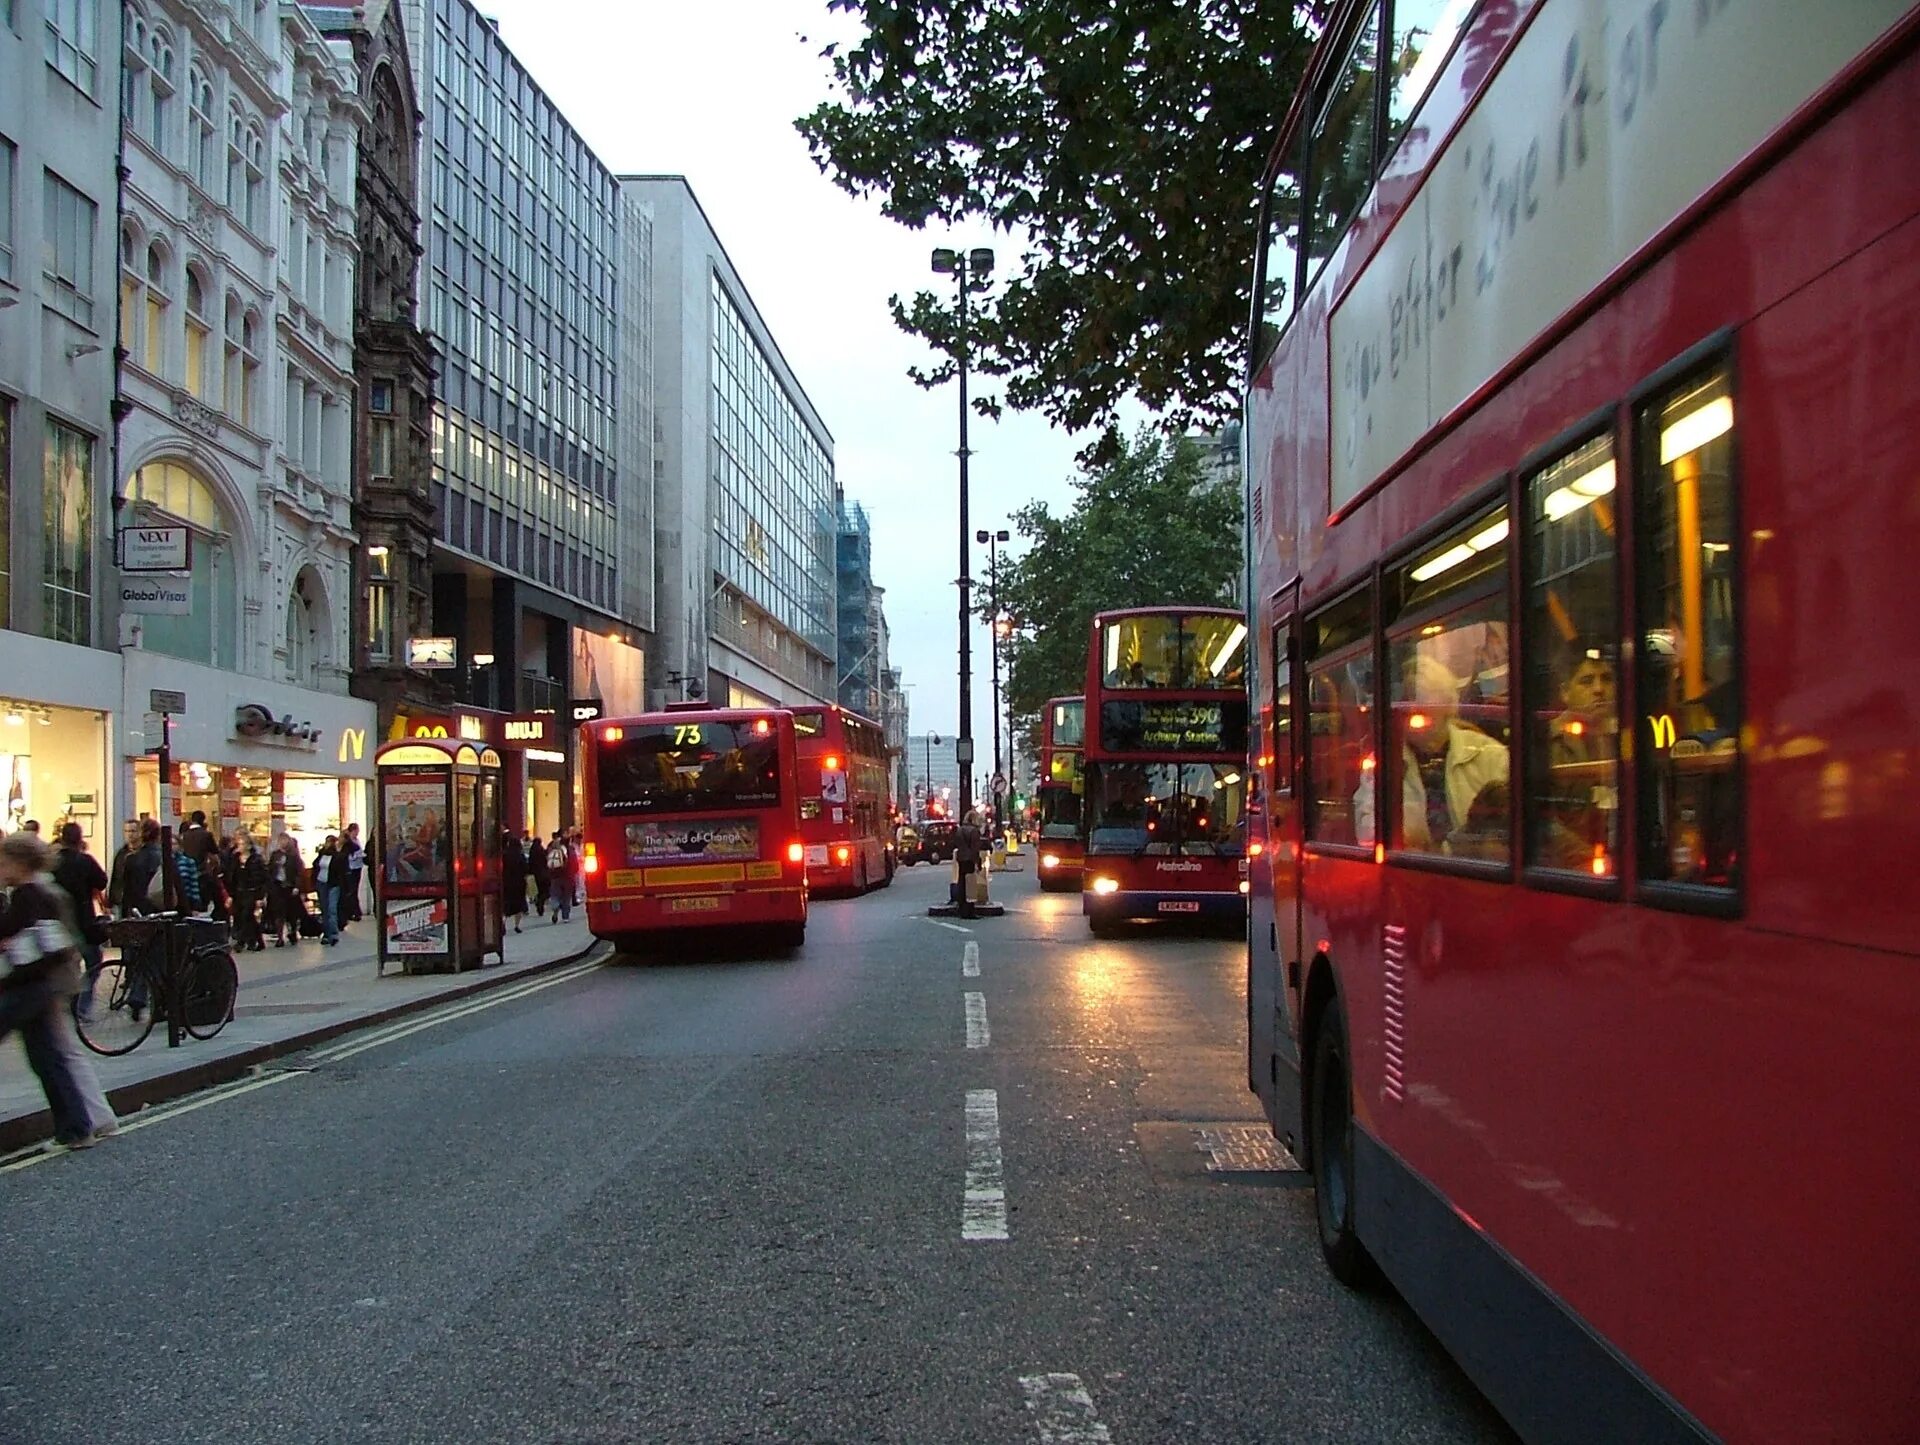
(513, 880)
(40, 972)
(285, 907)
(353, 859)
(249, 888)
(117, 875)
(76, 871)
(537, 854)
(326, 887)
(559, 878)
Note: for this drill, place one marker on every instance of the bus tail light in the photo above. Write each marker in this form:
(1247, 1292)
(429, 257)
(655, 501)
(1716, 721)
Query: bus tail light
(612, 735)
(843, 855)
(1255, 849)
(796, 852)
(762, 726)
(831, 762)
(1243, 885)
(1104, 886)
(590, 859)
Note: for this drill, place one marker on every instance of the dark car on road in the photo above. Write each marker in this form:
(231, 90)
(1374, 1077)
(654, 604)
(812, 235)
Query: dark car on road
(937, 839)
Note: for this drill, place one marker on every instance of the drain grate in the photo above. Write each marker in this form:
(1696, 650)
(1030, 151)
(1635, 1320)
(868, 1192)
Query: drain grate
(1242, 1149)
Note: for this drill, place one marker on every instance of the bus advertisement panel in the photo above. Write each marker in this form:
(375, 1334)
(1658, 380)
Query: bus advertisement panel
(692, 820)
(1165, 805)
(1580, 467)
(1062, 791)
(843, 799)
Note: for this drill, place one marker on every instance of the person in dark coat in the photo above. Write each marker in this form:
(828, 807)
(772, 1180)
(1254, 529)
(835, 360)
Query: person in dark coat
(513, 880)
(353, 862)
(249, 885)
(559, 878)
(142, 891)
(327, 871)
(542, 875)
(284, 908)
(40, 972)
(117, 876)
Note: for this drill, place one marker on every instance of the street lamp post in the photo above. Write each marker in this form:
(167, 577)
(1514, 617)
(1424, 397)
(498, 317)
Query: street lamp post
(970, 270)
(927, 809)
(992, 541)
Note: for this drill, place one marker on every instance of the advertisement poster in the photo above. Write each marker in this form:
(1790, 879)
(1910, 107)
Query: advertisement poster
(614, 672)
(416, 925)
(416, 842)
(726, 838)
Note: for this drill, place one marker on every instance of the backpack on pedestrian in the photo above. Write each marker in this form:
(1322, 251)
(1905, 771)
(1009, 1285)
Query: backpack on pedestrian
(557, 858)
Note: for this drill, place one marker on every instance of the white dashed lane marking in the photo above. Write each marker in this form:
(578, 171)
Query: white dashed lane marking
(983, 1211)
(1062, 1408)
(978, 1034)
(970, 961)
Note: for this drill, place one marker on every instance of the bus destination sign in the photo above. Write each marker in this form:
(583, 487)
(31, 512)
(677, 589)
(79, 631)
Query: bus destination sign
(1174, 727)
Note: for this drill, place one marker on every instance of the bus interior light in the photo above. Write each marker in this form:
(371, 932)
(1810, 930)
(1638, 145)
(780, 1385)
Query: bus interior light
(1590, 485)
(1113, 649)
(1227, 650)
(1694, 430)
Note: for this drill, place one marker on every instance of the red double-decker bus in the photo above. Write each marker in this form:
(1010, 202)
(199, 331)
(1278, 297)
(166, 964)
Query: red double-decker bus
(1584, 970)
(1057, 801)
(1166, 766)
(692, 820)
(843, 799)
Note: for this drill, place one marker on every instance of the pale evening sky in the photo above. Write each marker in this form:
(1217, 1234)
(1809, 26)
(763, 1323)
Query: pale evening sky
(710, 90)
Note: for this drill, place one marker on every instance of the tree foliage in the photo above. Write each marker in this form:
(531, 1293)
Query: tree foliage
(1151, 527)
(1123, 140)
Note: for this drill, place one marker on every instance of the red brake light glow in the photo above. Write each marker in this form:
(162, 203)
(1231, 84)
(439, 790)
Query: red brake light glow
(796, 852)
(831, 762)
(762, 726)
(1254, 850)
(842, 854)
(612, 735)
(590, 858)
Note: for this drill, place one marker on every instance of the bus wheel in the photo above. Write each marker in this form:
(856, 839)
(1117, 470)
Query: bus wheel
(791, 935)
(1330, 1134)
(1102, 927)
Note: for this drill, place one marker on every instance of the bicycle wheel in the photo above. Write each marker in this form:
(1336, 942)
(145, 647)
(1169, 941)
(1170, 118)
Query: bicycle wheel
(207, 994)
(118, 1015)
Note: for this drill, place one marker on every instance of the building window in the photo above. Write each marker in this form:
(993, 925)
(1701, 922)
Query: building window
(198, 378)
(202, 151)
(7, 158)
(169, 492)
(160, 86)
(233, 382)
(380, 448)
(249, 367)
(379, 605)
(68, 250)
(157, 302)
(73, 40)
(68, 518)
(1573, 616)
(246, 170)
(1687, 622)
(6, 512)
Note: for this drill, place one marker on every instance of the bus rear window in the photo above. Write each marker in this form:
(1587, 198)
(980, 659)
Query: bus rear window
(689, 767)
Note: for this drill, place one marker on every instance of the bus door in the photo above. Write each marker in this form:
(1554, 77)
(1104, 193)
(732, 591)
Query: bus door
(1277, 971)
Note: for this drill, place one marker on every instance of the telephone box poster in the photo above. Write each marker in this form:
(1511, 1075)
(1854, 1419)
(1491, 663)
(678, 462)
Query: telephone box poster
(416, 925)
(724, 838)
(414, 830)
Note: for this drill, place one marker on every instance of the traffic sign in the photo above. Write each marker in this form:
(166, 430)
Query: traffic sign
(999, 782)
(163, 701)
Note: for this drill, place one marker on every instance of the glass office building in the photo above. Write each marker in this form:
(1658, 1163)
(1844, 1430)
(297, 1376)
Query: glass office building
(520, 285)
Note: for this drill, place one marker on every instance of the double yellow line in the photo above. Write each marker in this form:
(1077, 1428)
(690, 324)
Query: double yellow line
(332, 1054)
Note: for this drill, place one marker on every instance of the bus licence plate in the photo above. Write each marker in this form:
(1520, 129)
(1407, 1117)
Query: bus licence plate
(1179, 905)
(817, 855)
(696, 905)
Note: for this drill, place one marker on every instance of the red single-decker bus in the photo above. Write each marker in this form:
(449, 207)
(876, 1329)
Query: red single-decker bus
(843, 799)
(692, 821)
(1062, 791)
(1166, 765)
(1584, 970)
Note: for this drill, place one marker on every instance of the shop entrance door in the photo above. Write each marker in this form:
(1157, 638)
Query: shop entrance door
(543, 807)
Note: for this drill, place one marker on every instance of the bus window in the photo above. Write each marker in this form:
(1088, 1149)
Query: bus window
(1168, 809)
(1282, 758)
(809, 724)
(1205, 651)
(1689, 695)
(1280, 267)
(1573, 700)
(1423, 33)
(1340, 153)
(1449, 767)
(1340, 758)
(689, 768)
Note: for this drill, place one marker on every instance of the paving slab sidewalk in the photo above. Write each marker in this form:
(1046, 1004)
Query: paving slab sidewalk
(290, 999)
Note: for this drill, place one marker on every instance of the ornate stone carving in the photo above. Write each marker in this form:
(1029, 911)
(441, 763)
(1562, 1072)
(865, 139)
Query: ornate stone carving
(195, 414)
(203, 219)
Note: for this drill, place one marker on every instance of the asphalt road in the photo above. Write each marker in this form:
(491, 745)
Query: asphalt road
(728, 1196)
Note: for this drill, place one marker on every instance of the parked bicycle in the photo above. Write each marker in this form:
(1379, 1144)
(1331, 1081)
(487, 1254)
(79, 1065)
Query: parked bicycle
(180, 970)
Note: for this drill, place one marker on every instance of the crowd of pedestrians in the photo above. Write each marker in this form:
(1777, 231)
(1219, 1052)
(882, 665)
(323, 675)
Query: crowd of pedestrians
(546, 873)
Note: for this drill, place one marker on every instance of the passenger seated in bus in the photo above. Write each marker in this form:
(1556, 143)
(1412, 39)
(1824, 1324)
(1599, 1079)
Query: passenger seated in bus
(1579, 795)
(1445, 764)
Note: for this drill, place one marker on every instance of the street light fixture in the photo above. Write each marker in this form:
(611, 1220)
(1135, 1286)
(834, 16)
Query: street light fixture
(1001, 629)
(970, 271)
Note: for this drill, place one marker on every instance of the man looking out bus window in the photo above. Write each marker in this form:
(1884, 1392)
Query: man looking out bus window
(1453, 776)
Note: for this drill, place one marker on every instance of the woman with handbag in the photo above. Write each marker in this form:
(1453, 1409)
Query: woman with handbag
(40, 972)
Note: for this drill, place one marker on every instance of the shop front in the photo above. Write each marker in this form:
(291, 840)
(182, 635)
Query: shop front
(256, 757)
(56, 719)
(535, 750)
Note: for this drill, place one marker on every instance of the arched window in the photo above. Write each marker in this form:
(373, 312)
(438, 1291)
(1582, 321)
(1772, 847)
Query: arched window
(131, 314)
(158, 300)
(203, 155)
(200, 380)
(160, 87)
(234, 383)
(169, 492)
(309, 629)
